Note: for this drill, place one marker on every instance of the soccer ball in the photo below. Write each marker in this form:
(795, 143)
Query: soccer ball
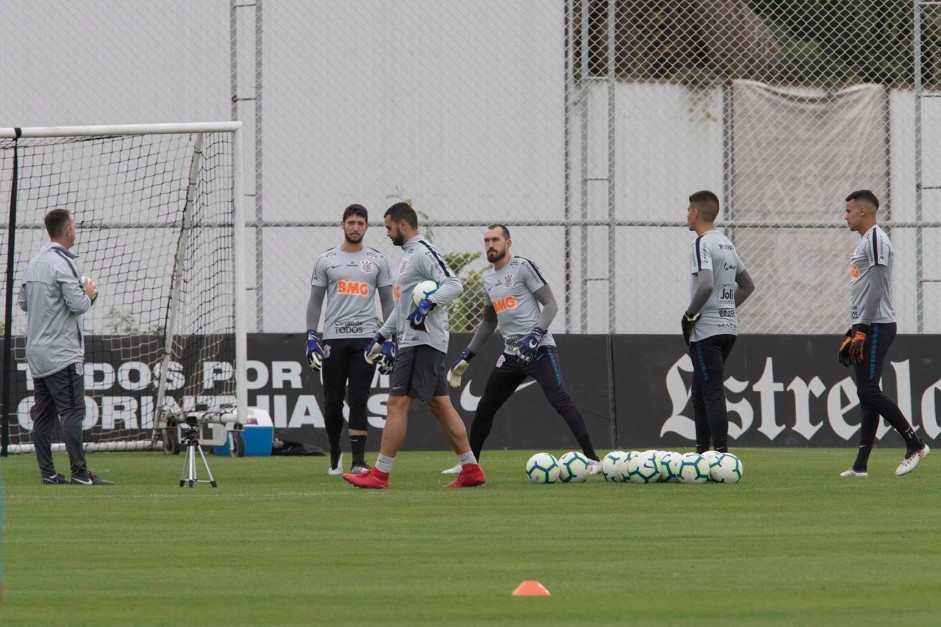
(424, 290)
(669, 466)
(693, 468)
(726, 469)
(643, 468)
(574, 467)
(713, 458)
(620, 467)
(542, 468)
(609, 466)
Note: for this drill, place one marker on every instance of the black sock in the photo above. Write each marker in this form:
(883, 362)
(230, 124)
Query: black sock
(587, 448)
(912, 441)
(358, 446)
(722, 449)
(862, 458)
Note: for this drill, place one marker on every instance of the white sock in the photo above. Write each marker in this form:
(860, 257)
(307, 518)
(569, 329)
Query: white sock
(467, 458)
(384, 463)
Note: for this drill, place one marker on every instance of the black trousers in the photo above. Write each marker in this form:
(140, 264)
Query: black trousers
(708, 392)
(346, 375)
(872, 400)
(507, 376)
(60, 396)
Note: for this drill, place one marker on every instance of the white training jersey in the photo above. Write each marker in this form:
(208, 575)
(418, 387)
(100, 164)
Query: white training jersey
(352, 280)
(713, 251)
(510, 291)
(873, 249)
(421, 262)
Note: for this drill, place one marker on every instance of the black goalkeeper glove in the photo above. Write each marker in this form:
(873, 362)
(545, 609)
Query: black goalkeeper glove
(687, 323)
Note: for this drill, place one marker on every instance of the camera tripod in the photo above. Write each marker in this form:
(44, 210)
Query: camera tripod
(191, 442)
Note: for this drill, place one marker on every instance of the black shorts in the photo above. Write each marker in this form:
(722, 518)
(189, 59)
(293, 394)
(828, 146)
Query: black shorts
(419, 373)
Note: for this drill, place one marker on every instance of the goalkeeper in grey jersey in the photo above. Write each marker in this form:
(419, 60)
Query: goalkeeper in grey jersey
(349, 276)
(719, 283)
(412, 345)
(867, 341)
(518, 299)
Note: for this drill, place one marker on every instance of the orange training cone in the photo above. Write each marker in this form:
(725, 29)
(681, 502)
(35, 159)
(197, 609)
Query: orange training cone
(530, 589)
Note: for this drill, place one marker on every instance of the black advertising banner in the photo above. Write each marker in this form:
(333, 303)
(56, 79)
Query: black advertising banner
(782, 390)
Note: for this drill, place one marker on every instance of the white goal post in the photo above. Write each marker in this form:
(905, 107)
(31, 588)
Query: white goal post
(161, 228)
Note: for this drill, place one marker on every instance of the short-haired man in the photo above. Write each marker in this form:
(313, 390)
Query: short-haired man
(413, 342)
(519, 300)
(350, 275)
(719, 284)
(54, 296)
(872, 331)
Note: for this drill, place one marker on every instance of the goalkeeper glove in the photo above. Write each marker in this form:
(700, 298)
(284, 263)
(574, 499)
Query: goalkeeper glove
(844, 354)
(458, 368)
(859, 340)
(529, 345)
(687, 323)
(416, 319)
(381, 352)
(314, 350)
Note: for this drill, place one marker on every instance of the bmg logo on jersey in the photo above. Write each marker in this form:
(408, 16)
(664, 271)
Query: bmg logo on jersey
(357, 288)
(502, 304)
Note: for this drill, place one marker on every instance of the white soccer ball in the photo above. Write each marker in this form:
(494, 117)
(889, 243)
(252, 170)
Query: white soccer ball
(424, 290)
(727, 469)
(713, 458)
(693, 468)
(542, 468)
(574, 467)
(643, 468)
(621, 467)
(609, 466)
(669, 466)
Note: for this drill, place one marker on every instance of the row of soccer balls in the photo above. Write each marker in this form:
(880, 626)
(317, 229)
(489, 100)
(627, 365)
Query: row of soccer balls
(638, 467)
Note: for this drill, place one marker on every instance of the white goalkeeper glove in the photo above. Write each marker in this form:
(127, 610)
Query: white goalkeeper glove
(458, 368)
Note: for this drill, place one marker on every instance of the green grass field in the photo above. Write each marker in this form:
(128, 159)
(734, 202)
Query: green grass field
(281, 543)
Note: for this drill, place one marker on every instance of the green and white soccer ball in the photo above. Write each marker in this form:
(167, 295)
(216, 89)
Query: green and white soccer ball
(542, 468)
(574, 467)
(693, 468)
(713, 458)
(424, 290)
(727, 469)
(643, 468)
(670, 466)
(609, 466)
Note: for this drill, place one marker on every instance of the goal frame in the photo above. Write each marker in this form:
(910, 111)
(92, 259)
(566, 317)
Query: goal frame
(234, 128)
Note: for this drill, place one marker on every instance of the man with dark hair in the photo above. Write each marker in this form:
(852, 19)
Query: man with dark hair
(719, 283)
(350, 276)
(412, 344)
(54, 296)
(519, 300)
(872, 332)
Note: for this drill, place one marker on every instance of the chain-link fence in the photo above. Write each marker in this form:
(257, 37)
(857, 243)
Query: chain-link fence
(582, 124)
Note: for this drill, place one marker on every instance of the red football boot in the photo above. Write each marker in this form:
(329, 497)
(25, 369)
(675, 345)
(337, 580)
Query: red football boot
(472, 475)
(374, 479)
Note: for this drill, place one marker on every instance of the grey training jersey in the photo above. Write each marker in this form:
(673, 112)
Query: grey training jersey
(873, 249)
(509, 291)
(713, 250)
(420, 262)
(54, 300)
(352, 280)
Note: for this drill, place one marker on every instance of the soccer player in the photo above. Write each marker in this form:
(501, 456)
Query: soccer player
(350, 275)
(413, 342)
(719, 284)
(872, 331)
(54, 296)
(518, 299)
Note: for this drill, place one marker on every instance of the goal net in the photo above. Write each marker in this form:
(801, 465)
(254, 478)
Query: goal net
(159, 227)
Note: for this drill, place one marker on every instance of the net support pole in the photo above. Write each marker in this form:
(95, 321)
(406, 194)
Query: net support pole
(8, 308)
